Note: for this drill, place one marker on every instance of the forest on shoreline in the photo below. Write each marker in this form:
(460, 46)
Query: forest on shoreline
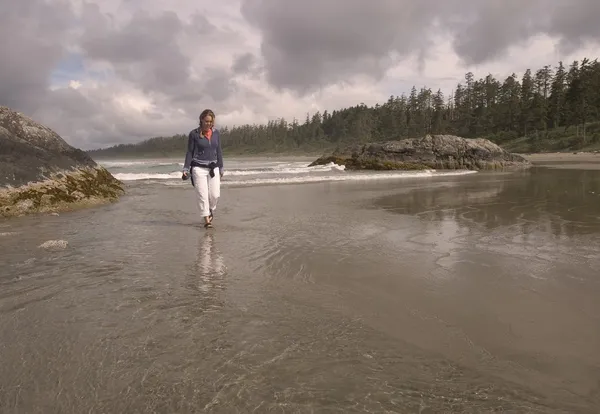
(550, 109)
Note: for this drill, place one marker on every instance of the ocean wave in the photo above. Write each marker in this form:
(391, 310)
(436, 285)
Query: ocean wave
(288, 169)
(273, 165)
(332, 178)
(296, 168)
(344, 177)
(131, 163)
(147, 176)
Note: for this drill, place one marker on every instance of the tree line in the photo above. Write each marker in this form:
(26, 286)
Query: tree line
(553, 108)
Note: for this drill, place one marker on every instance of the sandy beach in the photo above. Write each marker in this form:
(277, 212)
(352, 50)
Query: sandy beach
(318, 290)
(569, 160)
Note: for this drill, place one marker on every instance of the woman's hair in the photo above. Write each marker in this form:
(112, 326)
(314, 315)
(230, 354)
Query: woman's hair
(206, 113)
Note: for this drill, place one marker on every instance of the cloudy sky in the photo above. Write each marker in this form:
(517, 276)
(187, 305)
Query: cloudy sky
(112, 71)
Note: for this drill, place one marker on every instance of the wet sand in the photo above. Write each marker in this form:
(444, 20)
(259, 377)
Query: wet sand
(456, 294)
(567, 160)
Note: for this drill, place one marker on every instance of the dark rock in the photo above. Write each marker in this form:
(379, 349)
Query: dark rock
(428, 152)
(40, 172)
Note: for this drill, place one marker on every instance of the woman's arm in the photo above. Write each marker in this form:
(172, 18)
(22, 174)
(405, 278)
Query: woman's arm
(219, 155)
(189, 154)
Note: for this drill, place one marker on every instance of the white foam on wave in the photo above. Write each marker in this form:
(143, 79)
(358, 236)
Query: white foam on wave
(288, 169)
(131, 163)
(344, 177)
(331, 178)
(147, 176)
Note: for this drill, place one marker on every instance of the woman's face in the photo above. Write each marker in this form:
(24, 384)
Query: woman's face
(206, 123)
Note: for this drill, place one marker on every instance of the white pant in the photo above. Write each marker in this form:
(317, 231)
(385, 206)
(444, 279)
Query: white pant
(208, 190)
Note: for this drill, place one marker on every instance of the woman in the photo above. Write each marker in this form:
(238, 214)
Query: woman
(204, 164)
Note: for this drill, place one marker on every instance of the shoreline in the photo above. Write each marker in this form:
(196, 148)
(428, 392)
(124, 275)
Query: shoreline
(566, 160)
(582, 156)
(573, 160)
(283, 157)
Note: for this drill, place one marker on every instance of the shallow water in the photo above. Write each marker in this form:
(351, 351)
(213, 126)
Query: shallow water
(475, 293)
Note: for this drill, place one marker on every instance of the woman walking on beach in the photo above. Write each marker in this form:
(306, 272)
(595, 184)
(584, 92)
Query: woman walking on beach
(204, 164)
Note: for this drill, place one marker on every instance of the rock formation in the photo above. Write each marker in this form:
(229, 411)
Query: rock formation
(40, 172)
(428, 152)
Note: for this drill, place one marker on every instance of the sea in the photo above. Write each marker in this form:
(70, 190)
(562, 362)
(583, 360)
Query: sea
(319, 290)
(252, 172)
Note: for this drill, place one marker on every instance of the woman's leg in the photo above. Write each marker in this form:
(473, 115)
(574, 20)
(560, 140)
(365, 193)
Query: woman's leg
(214, 190)
(201, 186)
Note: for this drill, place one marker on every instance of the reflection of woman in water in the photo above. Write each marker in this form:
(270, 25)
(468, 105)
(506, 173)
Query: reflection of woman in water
(209, 270)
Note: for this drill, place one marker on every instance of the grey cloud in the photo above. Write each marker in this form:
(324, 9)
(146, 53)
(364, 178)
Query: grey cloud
(493, 26)
(248, 65)
(30, 52)
(307, 45)
(218, 84)
(244, 63)
(144, 52)
(148, 53)
(92, 122)
(138, 41)
(576, 22)
(70, 103)
(314, 43)
(497, 25)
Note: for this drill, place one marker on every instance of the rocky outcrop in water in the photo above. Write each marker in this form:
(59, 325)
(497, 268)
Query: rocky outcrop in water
(40, 172)
(430, 151)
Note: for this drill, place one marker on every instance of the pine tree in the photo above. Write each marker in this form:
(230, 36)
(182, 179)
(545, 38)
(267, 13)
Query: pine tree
(556, 106)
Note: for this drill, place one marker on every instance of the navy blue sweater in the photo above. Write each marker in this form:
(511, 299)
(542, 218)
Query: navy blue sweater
(203, 151)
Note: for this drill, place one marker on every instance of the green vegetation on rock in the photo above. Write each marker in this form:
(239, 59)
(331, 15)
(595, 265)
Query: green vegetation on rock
(369, 164)
(61, 192)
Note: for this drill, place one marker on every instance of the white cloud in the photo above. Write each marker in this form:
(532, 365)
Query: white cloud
(140, 69)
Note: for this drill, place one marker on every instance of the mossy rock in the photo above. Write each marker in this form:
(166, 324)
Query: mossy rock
(445, 152)
(354, 163)
(63, 191)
